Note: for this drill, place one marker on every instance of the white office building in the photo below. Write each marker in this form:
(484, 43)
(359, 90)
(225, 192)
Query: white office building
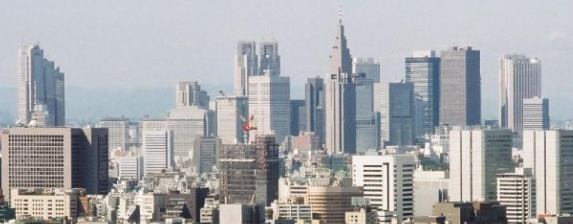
(187, 123)
(516, 191)
(232, 112)
(157, 148)
(387, 181)
(432, 188)
(118, 132)
(549, 154)
(269, 106)
(369, 66)
(477, 156)
(520, 78)
(536, 114)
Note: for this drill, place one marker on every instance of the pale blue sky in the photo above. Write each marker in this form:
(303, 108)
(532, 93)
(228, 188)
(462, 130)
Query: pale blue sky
(153, 44)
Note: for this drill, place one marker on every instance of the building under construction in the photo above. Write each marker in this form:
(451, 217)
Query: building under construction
(249, 173)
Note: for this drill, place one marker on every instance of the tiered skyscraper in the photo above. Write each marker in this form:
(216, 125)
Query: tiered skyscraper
(40, 88)
(423, 71)
(460, 85)
(340, 99)
(520, 78)
(246, 64)
(314, 107)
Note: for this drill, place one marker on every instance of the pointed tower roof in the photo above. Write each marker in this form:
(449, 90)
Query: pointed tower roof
(340, 58)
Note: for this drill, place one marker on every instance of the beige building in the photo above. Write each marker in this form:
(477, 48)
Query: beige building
(361, 216)
(46, 204)
(55, 158)
(329, 203)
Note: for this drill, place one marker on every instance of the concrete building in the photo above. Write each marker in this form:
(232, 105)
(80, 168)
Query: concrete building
(157, 148)
(549, 154)
(368, 66)
(118, 132)
(430, 187)
(387, 181)
(41, 88)
(329, 203)
(232, 112)
(291, 211)
(55, 158)
(186, 124)
(394, 103)
(366, 128)
(314, 107)
(536, 114)
(46, 204)
(269, 59)
(340, 58)
(241, 214)
(423, 71)
(476, 157)
(361, 216)
(476, 212)
(519, 78)
(269, 105)
(130, 168)
(460, 77)
(340, 113)
(297, 117)
(246, 65)
(516, 191)
(206, 153)
(189, 93)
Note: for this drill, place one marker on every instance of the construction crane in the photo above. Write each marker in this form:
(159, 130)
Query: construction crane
(248, 124)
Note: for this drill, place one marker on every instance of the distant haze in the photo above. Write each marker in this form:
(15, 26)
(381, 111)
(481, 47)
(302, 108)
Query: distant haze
(124, 47)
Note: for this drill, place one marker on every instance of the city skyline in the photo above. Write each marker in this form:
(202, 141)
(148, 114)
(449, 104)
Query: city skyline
(303, 54)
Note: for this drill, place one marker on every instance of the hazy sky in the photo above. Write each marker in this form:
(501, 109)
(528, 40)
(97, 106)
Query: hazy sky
(149, 44)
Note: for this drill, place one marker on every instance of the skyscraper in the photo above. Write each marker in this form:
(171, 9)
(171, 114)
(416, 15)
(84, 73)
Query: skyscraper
(388, 181)
(314, 107)
(516, 191)
(269, 58)
(206, 153)
(394, 103)
(40, 88)
(340, 58)
(519, 78)
(423, 71)
(190, 94)
(477, 156)
(157, 147)
(549, 154)
(340, 113)
(269, 105)
(460, 77)
(232, 112)
(535, 114)
(246, 64)
(366, 129)
(297, 117)
(118, 131)
(368, 66)
(187, 123)
(55, 158)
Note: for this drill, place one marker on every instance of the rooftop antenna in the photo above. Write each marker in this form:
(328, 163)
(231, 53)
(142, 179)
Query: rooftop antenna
(340, 14)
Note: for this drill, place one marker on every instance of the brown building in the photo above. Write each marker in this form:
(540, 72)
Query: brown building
(55, 158)
(471, 212)
(330, 203)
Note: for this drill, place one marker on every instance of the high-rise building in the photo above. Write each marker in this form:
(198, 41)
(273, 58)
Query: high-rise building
(118, 132)
(157, 147)
(549, 153)
(269, 59)
(423, 71)
(366, 128)
(476, 157)
(187, 123)
(387, 181)
(369, 66)
(314, 107)
(516, 191)
(519, 78)
(535, 114)
(269, 105)
(190, 94)
(232, 112)
(130, 167)
(430, 187)
(340, 58)
(394, 103)
(40, 88)
(297, 117)
(55, 158)
(249, 173)
(340, 113)
(460, 77)
(206, 153)
(246, 64)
